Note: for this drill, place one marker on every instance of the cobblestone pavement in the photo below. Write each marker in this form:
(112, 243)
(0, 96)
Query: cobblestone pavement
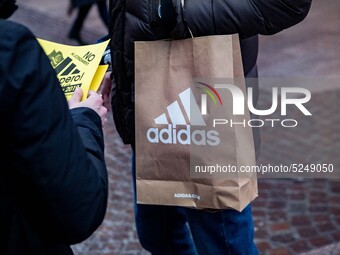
(292, 216)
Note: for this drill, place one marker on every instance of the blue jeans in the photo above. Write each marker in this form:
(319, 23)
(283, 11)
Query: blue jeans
(163, 230)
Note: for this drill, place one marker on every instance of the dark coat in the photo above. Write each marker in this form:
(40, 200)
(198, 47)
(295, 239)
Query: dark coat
(133, 20)
(53, 180)
(77, 3)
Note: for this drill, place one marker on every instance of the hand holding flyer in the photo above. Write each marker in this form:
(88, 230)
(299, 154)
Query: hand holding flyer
(76, 66)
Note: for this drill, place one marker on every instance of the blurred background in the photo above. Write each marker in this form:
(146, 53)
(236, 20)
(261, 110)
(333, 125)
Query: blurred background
(292, 216)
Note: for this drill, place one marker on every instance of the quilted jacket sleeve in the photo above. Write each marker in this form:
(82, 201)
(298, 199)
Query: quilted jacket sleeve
(246, 17)
(56, 159)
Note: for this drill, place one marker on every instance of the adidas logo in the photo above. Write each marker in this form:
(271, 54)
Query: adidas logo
(176, 115)
(180, 116)
(67, 72)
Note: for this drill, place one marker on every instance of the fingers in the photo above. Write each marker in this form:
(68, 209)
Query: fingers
(105, 89)
(93, 101)
(92, 92)
(78, 94)
(106, 101)
(75, 98)
(102, 114)
(96, 101)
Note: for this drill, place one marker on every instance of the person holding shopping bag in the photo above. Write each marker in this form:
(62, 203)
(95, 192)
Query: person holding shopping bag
(163, 230)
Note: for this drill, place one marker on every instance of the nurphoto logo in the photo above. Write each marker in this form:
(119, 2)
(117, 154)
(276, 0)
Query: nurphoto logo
(185, 113)
(239, 99)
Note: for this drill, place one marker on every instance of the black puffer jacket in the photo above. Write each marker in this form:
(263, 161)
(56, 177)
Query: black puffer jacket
(135, 20)
(53, 180)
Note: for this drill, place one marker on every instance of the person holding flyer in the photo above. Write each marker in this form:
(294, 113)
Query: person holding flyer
(53, 179)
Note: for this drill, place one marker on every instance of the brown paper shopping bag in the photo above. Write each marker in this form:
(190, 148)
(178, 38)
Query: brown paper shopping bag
(193, 143)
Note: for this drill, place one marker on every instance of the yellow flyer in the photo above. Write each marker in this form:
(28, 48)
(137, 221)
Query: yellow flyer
(98, 77)
(76, 66)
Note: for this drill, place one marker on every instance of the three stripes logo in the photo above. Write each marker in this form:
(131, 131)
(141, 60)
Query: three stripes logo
(67, 72)
(178, 122)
